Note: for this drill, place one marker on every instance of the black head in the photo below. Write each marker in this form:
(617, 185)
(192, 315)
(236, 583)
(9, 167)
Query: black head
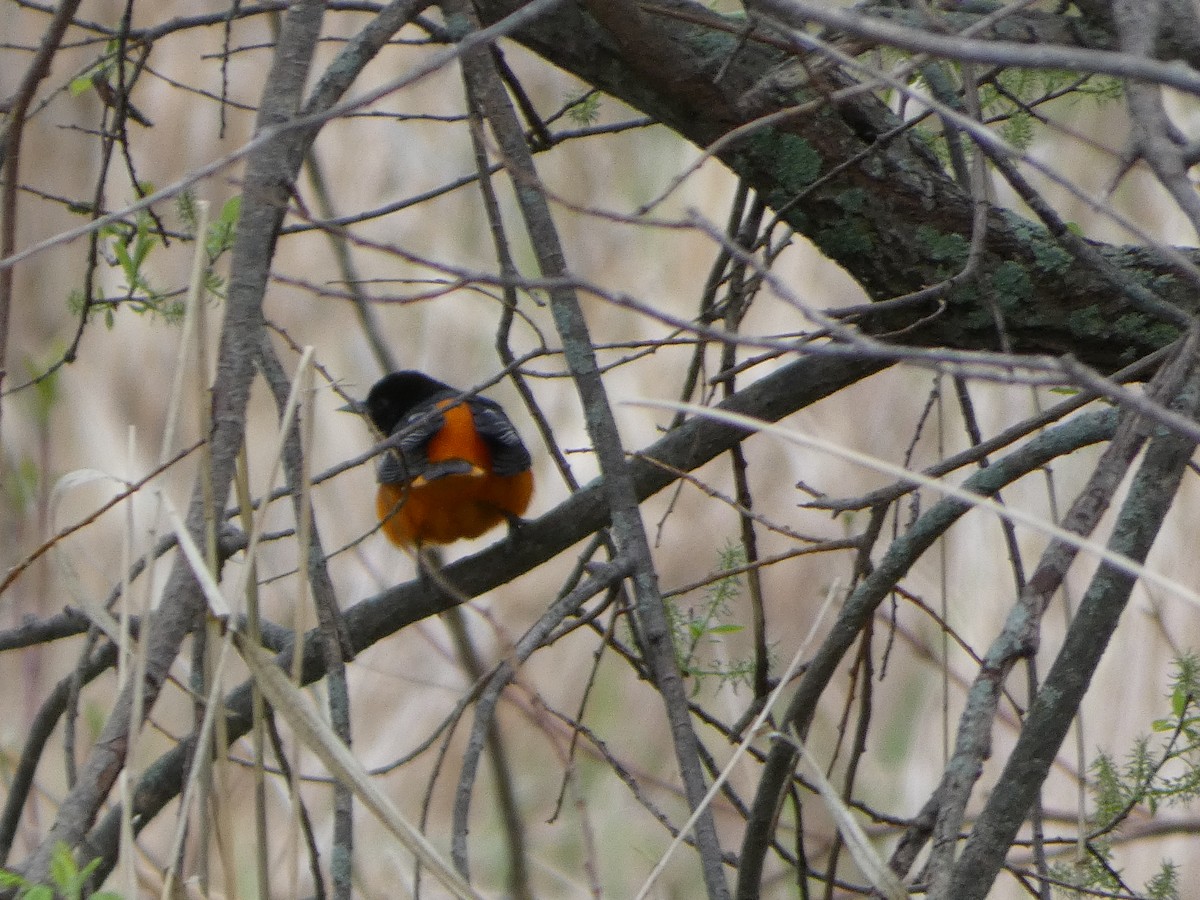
(394, 395)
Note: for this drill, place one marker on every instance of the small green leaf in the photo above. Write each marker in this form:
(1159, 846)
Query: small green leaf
(726, 629)
(62, 866)
(80, 84)
(121, 252)
(586, 110)
(185, 208)
(1179, 700)
(86, 872)
(143, 242)
(222, 231)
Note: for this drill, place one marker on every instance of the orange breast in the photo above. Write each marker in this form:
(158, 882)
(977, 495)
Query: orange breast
(458, 438)
(455, 506)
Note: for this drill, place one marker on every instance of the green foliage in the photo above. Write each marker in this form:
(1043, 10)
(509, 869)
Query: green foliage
(67, 880)
(1102, 89)
(1009, 97)
(219, 238)
(45, 392)
(130, 245)
(1165, 884)
(696, 631)
(1017, 129)
(1008, 100)
(221, 232)
(100, 71)
(1164, 772)
(585, 110)
(127, 246)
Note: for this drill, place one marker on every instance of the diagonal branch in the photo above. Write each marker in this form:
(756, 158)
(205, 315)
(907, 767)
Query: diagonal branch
(1150, 497)
(1018, 638)
(268, 177)
(860, 607)
(685, 448)
(628, 529)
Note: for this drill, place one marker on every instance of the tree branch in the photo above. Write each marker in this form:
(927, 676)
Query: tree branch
(685, 448)
(860, 607)
(1150, 497)
(882, 217)
(269, 174)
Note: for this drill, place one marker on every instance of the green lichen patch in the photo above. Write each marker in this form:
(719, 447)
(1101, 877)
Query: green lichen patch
(845, 240)
(1048, 256)
(1088, 321)
(944, 248)
(1012, 285)
(853, 200)
(793, 160)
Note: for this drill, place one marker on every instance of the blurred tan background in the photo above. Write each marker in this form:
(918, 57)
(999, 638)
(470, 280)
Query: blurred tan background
(402, 688)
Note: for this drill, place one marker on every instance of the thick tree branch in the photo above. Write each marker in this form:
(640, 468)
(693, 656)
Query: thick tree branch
(887, 218)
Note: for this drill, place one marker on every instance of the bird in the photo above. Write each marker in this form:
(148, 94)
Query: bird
(456, 468)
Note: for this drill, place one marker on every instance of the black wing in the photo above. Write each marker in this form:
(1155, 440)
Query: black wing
(509, 455)
(408, 460)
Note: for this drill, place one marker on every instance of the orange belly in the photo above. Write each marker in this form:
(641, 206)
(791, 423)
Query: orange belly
(450, 508)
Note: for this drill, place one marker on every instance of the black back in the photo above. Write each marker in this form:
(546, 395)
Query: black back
(403, 404)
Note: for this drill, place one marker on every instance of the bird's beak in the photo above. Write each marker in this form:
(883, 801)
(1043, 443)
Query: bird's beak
(354, 406)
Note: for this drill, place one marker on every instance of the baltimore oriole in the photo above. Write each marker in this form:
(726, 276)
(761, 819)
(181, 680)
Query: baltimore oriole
(457, 467)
